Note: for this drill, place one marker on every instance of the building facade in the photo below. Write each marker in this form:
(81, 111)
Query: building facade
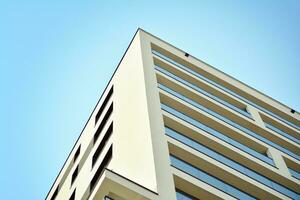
(169, 126)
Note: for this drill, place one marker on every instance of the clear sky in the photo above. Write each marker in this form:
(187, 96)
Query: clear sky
(57, 56)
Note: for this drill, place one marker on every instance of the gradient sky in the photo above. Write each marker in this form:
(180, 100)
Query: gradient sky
(57, 56)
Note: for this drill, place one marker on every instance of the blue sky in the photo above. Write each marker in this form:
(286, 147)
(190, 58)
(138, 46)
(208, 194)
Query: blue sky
(57, 56)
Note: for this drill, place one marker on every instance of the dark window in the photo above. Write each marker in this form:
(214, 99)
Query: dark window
(103, 122)
(72, 197)
(104, 104)
(102, 143)
(77, 153)
(101, 169)
(74, 175)
(55, 193)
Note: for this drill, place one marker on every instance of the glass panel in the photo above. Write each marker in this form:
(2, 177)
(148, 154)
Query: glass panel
(202, 91)
(228, 121)
(183, 196)
(185, 68)
(217, 134)
(230, 163)
(281, 132)
(209, 179)
(295, 173)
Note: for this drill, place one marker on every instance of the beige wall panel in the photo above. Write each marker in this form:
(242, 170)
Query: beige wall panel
(164, 177)
(133, 152)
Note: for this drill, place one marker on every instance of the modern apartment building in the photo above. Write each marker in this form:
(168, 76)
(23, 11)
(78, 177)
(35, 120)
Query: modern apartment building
(169, 126)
